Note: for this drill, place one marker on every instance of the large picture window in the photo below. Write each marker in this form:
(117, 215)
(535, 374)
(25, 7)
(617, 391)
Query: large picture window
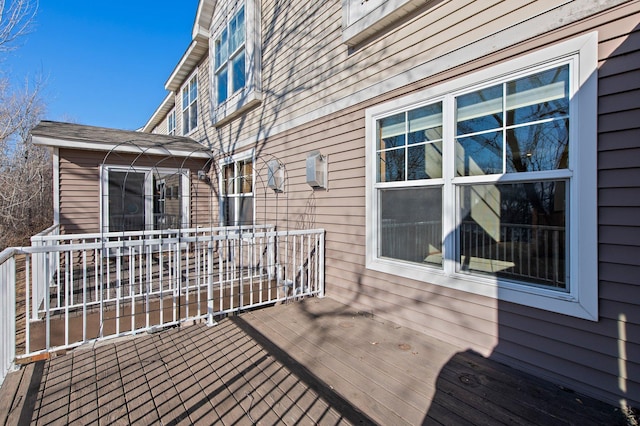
(488, 184)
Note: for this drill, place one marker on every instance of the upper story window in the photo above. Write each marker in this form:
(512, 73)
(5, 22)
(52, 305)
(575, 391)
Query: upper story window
(190, 105)
(171, 122)
(488, 184)
(235, 48)
(230, 64)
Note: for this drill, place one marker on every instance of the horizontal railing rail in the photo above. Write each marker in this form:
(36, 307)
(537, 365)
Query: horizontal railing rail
(99, 286)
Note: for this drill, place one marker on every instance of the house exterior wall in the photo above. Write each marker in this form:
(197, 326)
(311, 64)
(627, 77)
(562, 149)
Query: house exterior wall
(316, 91)
(79, 174)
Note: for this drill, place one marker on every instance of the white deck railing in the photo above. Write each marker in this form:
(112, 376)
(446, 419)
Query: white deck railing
(7, 311)
(97, 286)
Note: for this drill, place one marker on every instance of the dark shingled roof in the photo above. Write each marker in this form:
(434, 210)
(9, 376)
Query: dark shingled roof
(54, 133)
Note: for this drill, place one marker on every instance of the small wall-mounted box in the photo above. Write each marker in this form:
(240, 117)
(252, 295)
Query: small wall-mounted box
(275, 177)
(316, 170)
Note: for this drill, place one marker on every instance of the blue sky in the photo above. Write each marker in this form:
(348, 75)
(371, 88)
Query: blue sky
(104, 62)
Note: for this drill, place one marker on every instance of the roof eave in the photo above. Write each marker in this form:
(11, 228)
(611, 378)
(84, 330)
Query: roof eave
(167, 104)
(189, 61)
(127, 148)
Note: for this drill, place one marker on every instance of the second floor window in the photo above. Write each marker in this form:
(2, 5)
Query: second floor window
(190, 106)
(230, 68)
(171, 123)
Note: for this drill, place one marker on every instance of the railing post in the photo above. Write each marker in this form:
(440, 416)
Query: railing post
(8, 318)
(210, 320)
(321, 266)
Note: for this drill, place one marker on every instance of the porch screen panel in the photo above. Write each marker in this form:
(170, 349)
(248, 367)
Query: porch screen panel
(126, 201)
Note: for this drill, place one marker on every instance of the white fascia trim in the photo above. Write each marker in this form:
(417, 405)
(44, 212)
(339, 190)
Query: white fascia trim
(195, 52)
(582, 300)
(124, 148)
(538, 25)
(165, 107)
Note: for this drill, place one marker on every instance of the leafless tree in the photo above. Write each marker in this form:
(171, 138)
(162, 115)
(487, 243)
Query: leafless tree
(25, 169)
(16, 17)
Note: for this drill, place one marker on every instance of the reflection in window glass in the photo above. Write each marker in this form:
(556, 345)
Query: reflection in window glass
(479, 111)
(410, 145)
(238, 72)
(543, 146)
(540, 96)
(411, 224)
(391, 165)
(479, 155)
(514, 231)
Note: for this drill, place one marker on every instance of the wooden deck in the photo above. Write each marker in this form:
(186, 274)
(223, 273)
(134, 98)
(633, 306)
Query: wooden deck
(313, 362)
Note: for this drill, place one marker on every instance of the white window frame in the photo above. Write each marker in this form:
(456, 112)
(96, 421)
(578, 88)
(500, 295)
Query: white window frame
(235, 159)
(581, 300)
(251, 94)
(187, 111)
(149, 173)
(171, 122)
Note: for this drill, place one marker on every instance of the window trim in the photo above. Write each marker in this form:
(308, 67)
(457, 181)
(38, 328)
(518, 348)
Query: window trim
(186, 130)
(232, 160)
(357, 25)
(148, 171)
(582, 299)
(251, 94)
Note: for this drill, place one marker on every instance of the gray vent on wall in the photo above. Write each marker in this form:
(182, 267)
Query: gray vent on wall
(316, 170)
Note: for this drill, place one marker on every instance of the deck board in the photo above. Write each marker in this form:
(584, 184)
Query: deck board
(311, 362)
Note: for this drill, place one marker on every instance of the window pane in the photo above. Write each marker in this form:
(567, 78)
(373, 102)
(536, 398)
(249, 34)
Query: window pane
(391, 165)
(238, 72)
(193, 116)
(424, 161)
(245, 210)
(228, 186)
(479, 154)
(185, 122)
(222, 88)
(514, 231)
(539, 96)
(425, 123)
(538, 147)
(222, 52)
(391, 131)
(479, 111)
(167, 198)
(126, 201)
(246, 178)
(236, 30)
(185, 98)
(410, 225)
(193, 90)
(227, 206)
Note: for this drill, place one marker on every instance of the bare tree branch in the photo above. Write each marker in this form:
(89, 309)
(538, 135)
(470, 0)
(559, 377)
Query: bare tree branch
(16, 16)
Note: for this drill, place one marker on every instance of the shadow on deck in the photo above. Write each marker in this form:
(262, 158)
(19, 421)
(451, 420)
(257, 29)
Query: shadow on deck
(313, 362)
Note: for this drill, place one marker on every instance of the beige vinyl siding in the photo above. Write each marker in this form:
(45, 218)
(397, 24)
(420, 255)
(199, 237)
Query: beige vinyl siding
(79, 191)
(306, 67)
(80, 187)
(600, 358)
